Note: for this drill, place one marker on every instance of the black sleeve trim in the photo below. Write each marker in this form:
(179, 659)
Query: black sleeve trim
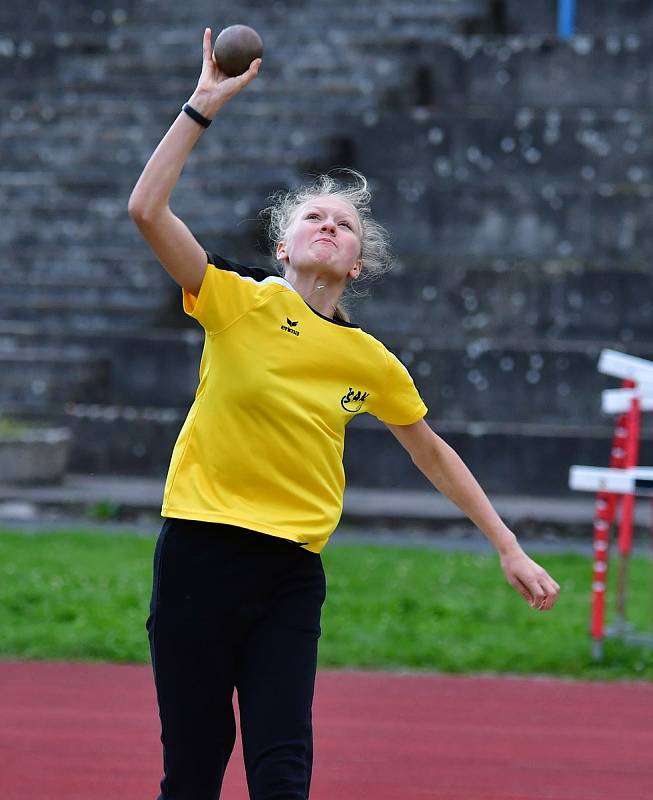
(257, 273)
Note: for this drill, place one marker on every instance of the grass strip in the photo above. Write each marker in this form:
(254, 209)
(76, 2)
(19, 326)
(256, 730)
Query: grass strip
(84, 596)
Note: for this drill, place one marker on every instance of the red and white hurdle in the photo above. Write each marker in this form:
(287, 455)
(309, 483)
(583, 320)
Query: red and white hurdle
(617, 485)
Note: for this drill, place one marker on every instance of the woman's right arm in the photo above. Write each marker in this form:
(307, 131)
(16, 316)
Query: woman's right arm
(172, 242)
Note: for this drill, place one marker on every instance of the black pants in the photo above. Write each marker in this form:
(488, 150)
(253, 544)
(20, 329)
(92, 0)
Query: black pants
(232, 608)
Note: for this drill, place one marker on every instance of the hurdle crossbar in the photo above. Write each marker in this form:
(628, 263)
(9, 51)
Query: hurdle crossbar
(629, 368)
(617, 401)
(633, 480)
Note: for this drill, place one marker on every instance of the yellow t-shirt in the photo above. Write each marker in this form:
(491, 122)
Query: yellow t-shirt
(262, 444)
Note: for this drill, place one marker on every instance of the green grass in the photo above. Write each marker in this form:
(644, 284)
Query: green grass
(85, 596)
(74, 595)
(454, 612)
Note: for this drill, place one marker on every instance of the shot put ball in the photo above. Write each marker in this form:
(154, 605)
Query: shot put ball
(235, 49)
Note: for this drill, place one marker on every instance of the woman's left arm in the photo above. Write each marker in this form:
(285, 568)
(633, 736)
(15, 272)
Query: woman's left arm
(447, 472)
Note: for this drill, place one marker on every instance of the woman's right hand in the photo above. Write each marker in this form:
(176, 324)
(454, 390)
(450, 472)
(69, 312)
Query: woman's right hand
(214, 87)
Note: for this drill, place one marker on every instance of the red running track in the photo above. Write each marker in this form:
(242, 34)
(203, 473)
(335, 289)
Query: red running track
(72, 731)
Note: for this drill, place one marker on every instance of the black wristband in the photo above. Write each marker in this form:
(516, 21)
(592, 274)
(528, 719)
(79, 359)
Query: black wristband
(201, 120)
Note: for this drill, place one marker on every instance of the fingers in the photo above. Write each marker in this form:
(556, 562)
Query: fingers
(523, 590)
(544, 594)
(541, 593)
(206, 45)
(551, 592)
(252, 72)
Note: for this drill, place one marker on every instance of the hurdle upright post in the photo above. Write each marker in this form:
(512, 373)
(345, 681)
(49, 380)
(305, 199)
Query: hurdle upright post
(604, 515)
(625, 537)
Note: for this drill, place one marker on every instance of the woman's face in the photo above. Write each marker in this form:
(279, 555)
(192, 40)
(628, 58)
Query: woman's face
(325, 231)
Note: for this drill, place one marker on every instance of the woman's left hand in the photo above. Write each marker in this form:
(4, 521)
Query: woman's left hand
(528, 578)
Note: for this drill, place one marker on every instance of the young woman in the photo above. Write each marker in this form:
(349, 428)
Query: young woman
(256, 478)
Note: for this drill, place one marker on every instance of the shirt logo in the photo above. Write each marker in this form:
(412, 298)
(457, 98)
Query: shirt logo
(290, 327)
(353, 401)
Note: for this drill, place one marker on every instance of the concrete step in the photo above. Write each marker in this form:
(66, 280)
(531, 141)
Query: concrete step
(555, 151)
(53, 18)
(65, 296)
(529, 382)
(231, 155)
(315, 15)
(135, 362)
(556, 154)
(515, 222)
(46, 377)
(460, 299)
(510, 221)
(97, 319)
(611, 72)
(472, 71)
(56, 308)
(454, 299)
(515, 377)
(510, 379)
(531, 459)
(121, 266)
(535, 71)
(452, 302)
(93, 274)
(71, 229)
(39, 283)
(552, 522)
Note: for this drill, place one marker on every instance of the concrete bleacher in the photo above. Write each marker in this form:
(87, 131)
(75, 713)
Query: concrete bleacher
(512, 169)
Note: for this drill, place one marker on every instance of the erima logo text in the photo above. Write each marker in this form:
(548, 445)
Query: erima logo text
(353, 401)
(290, 327)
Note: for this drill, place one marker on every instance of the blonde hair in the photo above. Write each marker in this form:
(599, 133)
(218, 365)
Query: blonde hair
(375, 253)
